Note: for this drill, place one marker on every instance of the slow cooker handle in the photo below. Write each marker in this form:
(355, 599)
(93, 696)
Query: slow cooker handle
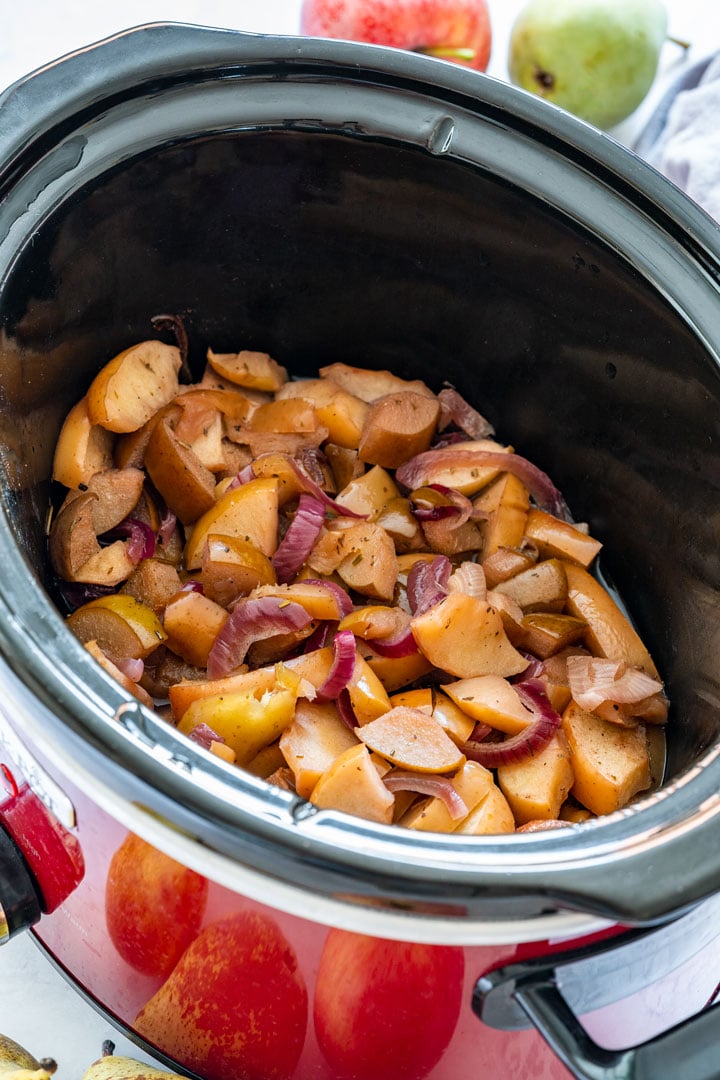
(509, 997)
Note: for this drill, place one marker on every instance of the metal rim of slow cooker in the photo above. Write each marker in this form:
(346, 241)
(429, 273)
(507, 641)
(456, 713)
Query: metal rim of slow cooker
(609, 868)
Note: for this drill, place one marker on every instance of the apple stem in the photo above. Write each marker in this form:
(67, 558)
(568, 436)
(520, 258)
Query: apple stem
(682, 44)
(448, 52)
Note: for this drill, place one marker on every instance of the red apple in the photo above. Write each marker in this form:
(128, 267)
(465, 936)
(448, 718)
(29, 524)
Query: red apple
(457, 30)
(153, 906)
(385, 1010)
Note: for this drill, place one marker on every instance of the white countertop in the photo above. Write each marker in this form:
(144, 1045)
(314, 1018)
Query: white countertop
(37, 1007)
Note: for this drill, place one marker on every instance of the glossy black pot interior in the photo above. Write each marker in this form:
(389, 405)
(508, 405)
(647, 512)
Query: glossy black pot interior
(323, 236)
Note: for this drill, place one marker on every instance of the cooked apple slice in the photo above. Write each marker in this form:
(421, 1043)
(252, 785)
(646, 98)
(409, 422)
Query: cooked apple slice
(465, 636)
(192, 622)
(371, 385)
(491, 816)
(117, 493)
(609, 632)
(505, 563)
(370, 567)
(72, 538)
(472, 782)
(232, 567)
(287, 416)
(153, 581)
(543, 587)
(134, 385)
(413, 740)
(254, 370)
(537, 787)
(245, 721)
(249, 512)
(369, 493)
(545, 633)
(454, 722)
(341, 413)
(506, 502)
(200, 427)
(394, 672)
(610, 763)
(313, 741)
(558, 539)
(352, 784)
(398, 427)
(318, 601)
(421, 698)
(490, 699)
(123, 627)
(185, 484)
(82, 449)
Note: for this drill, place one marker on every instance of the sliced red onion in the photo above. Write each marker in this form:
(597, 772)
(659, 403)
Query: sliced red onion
(454, 409)
(398, 645)
(450, 438)
(134, 669)
(343, 665)
(534, 670)
(192, 585)
(345, 709)
(529, 741)
(300, 538)
(314, 462)
(439, 787)
(469, 578)
(345, 604)
(309, 486)
(204, 735)
(168, 524)
(77, 593)
(418, 471)
(244, 476)
(252, 620)
(140, 537)
(594, 680)
(320, 636)
(427, 583)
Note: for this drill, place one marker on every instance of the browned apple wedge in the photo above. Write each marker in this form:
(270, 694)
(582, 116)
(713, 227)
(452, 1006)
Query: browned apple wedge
(398, 427)
(538, 786)
(542, 587)
(249, 512)
(341, 413)
(134, 385)
(254, 370)
(352, 784)
(82, 449)
(122, 626)
(610, 763)
(153, 581)
(555, 538)
(117, 492)
(371, 385)
(185, 484)
(232, 567)
(465, 637)
(314, 740)
(506, 502)
(411, 739)
(192, 622)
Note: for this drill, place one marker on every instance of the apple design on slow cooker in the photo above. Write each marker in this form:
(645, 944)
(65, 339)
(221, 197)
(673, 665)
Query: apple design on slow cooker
(153, 906)
(385, 1010)
(236, 1004)
(457, 30)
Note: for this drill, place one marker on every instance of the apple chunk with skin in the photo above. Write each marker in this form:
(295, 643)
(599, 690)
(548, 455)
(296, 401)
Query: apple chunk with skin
(133, 386)
(465, 636)
(457, 30)
(249, 512)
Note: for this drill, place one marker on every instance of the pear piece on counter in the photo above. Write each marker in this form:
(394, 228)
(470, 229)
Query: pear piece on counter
(124, 1068)
(17, 1064)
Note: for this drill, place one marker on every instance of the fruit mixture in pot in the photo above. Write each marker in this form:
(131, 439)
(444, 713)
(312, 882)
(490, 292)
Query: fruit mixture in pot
(347, 586)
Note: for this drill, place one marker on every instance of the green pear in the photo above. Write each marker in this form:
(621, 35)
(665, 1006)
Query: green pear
(110, 1067)
(16, 1063)
(595, 58)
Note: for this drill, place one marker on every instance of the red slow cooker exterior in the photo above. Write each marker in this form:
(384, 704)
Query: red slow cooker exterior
(228, 925)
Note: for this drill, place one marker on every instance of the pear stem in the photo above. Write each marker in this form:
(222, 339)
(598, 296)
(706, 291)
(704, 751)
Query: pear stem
(680, 42)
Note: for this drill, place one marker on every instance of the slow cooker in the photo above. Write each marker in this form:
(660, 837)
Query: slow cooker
(327, 201)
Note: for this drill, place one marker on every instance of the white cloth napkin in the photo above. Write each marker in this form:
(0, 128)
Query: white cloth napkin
(682, 138)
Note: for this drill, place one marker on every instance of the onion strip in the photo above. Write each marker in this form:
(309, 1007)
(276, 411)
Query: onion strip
(529, 741)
